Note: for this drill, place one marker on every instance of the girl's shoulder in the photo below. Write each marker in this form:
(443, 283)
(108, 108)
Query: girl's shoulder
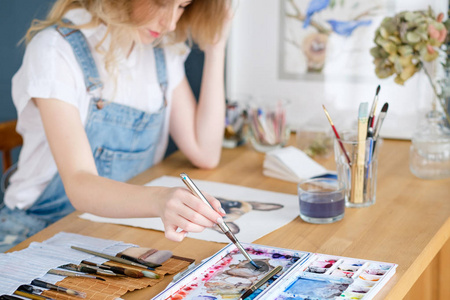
(47, 42)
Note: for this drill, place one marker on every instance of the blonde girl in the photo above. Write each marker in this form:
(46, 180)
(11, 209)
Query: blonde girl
(101, 87)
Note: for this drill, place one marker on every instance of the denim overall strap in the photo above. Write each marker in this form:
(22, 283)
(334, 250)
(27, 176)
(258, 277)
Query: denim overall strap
(83, 55)
(123, 139)
(161, 70)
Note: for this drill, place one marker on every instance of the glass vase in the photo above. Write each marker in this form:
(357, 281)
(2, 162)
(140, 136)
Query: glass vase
(430, 149)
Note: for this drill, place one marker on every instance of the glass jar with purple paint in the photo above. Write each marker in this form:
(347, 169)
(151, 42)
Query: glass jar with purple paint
(322, 200)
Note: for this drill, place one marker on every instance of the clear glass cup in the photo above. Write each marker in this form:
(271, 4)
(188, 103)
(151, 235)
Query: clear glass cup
(267, 127)
(322, 200)
(315, 141)
(429, 156)
(360, 175)
(235, 119)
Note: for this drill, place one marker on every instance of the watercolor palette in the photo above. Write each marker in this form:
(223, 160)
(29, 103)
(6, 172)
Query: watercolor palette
(227, 274)
(331, 277)
(304, 276)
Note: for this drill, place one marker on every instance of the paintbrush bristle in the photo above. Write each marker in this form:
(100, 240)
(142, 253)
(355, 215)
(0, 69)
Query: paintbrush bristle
(385, 107)
(327, 114)
(76, 293)
(150, 274)
(378, 90)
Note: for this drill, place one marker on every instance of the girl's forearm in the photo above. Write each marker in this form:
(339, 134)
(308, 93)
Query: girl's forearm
(108, 198)
(210, 117)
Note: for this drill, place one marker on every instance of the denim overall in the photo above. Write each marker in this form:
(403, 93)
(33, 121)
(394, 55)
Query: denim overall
(123, 141)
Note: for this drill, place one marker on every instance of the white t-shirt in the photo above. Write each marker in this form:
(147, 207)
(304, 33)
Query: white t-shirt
(50, 70)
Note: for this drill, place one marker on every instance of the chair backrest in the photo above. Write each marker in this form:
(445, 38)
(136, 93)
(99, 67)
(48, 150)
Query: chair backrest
(9, 139)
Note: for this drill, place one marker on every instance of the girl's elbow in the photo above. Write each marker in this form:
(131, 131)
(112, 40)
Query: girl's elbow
(207, 162)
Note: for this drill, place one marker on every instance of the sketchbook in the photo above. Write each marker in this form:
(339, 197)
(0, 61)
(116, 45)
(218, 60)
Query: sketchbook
(304, 275)
(292, 164)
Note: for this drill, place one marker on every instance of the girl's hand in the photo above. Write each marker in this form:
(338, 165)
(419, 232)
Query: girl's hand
(182, 212)
(222, 37)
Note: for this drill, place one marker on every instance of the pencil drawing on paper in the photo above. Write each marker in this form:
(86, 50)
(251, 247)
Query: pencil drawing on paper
(321, 38)
(236, 208)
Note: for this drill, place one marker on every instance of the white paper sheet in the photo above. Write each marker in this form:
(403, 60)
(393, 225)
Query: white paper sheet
(291, 164)
(34, 261)
(260, 212)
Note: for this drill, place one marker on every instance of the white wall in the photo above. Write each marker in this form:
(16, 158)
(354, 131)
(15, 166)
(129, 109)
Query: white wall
(252, 68)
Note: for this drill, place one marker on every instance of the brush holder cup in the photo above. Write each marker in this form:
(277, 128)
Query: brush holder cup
(267, 128)
(356, 164)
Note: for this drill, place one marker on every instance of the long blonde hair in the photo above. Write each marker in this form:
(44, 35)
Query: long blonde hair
(201, 21)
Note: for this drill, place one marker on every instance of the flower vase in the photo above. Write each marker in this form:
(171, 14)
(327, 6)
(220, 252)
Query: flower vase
(445, 92)
(430, 149)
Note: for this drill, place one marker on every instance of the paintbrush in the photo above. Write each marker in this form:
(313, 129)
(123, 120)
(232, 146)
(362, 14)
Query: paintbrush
(72, 274)
(118, 270)
(337, 135)
(28, 291)
(58, 288)
(88, 269)
(258, 284)
(357, 190)
(378, 124)
(149, 264)
(9, 297)
(373, 108)
(223, 226)
(115, 258)
(324, 277)
(380, 120)
(31, 295)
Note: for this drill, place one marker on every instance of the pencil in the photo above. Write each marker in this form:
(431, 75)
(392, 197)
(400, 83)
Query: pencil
(337, 135)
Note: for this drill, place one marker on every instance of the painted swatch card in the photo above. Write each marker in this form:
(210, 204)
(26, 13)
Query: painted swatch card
(227, 274)
(304, 276)
(332, 277)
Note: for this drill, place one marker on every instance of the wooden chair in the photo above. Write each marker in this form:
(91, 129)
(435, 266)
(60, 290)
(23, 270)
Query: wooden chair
(9, 139)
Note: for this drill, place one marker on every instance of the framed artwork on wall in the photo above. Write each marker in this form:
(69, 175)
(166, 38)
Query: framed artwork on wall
(316, 52)
(317, 37)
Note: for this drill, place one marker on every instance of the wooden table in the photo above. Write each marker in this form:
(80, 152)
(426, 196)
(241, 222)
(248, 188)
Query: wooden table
(408, 225)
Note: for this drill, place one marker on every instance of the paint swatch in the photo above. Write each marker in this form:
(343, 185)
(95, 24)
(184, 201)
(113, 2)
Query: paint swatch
(328, 277)
(227, 274)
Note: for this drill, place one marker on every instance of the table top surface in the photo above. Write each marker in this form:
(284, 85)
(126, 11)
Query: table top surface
(408, 224)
